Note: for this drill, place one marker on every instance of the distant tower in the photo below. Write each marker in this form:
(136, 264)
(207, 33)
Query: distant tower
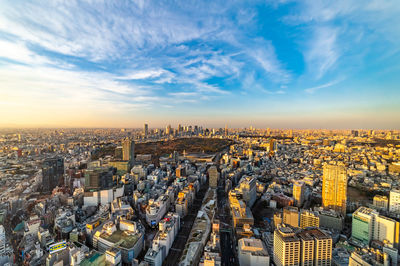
(334, 187)
(226, 130)
(53, 173)
(168, 130)
(146, 130)
(128, 151)
(272, 146)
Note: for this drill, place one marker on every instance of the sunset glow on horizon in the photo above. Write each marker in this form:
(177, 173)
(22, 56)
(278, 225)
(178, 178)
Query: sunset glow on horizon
(282, 64)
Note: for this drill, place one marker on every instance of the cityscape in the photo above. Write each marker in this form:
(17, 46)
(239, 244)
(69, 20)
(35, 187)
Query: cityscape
(212, 196)
(204, 133)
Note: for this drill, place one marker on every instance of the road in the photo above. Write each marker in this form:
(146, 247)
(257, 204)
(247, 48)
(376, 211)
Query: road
(178, 246)
(227, 241)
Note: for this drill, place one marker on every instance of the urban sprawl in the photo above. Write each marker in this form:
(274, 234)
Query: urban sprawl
(192, 195)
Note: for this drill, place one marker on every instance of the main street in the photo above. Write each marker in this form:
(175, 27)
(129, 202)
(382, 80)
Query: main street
(227, 242)
(178, 246)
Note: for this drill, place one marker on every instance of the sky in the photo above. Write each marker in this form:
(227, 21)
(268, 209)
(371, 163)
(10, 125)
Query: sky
(277, 64)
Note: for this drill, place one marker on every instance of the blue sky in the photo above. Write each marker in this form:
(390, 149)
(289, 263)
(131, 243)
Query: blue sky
(291, 64)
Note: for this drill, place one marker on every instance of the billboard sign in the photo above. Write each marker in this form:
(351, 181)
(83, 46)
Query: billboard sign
(58, 247)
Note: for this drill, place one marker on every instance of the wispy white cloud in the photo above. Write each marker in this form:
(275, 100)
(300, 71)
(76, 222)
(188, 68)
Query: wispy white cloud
(326, 85)
(280, 92)
(99, 31)
(323, 52)
(184, 94)
(67, 89)
(337, 27)
(263, 52)
(17, 51)
(108, 32)
(143, 74)
(250, 83)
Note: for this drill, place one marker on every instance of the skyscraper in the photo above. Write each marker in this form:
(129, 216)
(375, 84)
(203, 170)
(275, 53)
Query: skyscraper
(146, 130)
(128, 151)
(168, 130)
(299, 193)
(272, 146)
(53, 173)
(334, 187)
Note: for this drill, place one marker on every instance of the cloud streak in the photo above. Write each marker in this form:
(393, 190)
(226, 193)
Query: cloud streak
(326, 85)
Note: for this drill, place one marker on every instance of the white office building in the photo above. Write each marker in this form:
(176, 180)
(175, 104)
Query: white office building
(252, 252)
(394, 201)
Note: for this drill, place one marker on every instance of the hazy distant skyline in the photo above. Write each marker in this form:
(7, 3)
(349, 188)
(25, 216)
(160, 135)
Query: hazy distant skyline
(278, 64)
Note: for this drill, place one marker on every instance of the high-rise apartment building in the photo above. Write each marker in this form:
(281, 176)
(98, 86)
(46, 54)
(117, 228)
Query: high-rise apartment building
(334, 187)
(308, 219)
(316, 248)
(53, 173)
(128, 151)
(394, 201)
(286, 247)
(305, 247)
(386, 230)
(381, 202)
(299, 193)
(291, 216)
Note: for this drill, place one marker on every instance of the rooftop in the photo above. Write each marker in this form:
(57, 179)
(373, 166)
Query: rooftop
(313, 233)
(253, 246)
(124, 239)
